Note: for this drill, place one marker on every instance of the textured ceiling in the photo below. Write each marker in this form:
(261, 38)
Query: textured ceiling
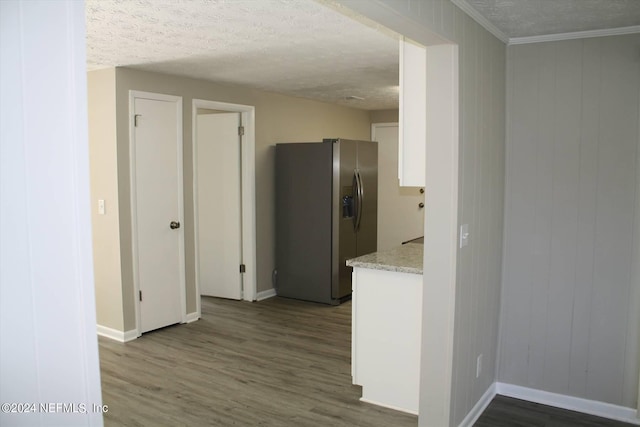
(526, 18)
(296, 47)
(301, 47)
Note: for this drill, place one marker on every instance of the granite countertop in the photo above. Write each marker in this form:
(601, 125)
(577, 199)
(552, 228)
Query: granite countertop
(404, 259)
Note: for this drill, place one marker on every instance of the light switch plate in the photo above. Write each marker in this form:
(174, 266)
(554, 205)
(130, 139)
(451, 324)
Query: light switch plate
(101, 208)
(464, 235)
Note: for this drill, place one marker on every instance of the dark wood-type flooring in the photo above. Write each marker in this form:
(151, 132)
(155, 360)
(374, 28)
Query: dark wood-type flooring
(277, 362)
(508, 412)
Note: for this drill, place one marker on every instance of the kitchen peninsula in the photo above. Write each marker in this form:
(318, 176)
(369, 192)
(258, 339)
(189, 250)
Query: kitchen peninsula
(387, 325)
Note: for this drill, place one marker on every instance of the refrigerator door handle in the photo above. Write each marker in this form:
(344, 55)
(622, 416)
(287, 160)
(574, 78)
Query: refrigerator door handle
(360, 196)
(356, 205)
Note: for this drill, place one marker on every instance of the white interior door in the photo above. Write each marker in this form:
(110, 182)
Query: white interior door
(219, 205)
(400, 217)
(157, 165)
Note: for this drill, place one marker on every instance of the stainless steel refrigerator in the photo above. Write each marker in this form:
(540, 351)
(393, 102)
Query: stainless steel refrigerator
(326, 213)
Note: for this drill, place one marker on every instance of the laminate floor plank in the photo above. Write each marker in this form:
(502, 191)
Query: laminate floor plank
(509, 412)
(277, 362)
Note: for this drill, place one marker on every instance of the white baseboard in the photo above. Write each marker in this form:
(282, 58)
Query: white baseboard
(191, 317)
(479, 407)
(592, 407)
(262, 295)
(384, 405)
(117, 335)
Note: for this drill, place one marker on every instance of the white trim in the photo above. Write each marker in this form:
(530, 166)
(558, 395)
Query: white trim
(636, 243)
(479, 407)
(263, 295)
(480, 19)
(117, 335)
(635, 277)
(133, 94)
(574, 35)
(375, 126)
(592, 407)
(194, 168)
(441, 231)
(385, 405)
(192, 317)
(248, 192)
(487, 25)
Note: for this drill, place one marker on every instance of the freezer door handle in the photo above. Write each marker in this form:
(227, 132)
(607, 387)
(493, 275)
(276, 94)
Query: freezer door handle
(359, 197)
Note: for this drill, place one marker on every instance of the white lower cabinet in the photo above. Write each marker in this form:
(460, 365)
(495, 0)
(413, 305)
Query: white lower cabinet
(386, 337)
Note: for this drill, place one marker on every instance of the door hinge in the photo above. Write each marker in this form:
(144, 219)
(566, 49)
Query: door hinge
(243, 268)
(140, 295)
(241, 130)
(135, 119)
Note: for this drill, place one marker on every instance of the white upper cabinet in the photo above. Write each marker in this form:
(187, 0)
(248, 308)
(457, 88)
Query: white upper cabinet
(428, 112)
(412, 133)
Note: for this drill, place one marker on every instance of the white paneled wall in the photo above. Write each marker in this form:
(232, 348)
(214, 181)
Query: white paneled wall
(569, 320)
(481, 183)
(480, 200)
(48, 341)
(482, 165)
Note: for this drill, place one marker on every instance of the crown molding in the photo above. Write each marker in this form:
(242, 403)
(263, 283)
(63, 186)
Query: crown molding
(575, 35)
(484, 22)
(480, 19)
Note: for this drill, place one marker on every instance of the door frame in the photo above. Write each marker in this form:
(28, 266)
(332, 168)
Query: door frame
(635, 284)
(133, 94)
(441, 218)
(374, 128)
(377, 125)
(248, 189)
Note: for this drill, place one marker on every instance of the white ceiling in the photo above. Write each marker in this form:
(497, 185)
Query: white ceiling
(296, 47)
(303, 48)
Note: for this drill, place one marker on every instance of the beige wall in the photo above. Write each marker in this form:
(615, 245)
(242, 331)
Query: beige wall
(104, 185)
(278, 119)
(384, 116)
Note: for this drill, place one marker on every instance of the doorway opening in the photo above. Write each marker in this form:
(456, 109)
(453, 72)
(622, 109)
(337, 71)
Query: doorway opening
(401, 216)
(236, 124)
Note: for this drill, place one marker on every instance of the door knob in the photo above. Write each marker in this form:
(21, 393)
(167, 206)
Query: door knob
(174, 225)
(421, 205)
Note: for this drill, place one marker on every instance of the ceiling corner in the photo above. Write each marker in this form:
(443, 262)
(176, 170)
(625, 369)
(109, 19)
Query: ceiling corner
(480, 19)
